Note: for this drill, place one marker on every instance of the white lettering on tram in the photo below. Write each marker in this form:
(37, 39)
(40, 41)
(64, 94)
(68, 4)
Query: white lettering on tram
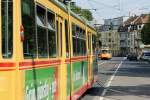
(77, 76)
(43, 91)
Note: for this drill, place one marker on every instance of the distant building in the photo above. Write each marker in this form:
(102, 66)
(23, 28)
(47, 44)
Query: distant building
(109, 34)
(111, 39)
(135, 25)
(124, 40)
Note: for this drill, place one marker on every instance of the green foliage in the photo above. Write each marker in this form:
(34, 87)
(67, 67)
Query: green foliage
(145, 33)
(83, 12)
(87, 14)
(76, 9)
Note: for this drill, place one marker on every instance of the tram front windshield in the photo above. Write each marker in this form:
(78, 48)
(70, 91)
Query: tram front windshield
(105, 51)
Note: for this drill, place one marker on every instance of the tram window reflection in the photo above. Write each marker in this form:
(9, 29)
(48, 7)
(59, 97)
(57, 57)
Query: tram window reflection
(28, 22)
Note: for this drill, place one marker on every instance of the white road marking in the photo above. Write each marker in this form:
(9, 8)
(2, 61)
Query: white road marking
(102, 63)
(124, 58)
(109, 82)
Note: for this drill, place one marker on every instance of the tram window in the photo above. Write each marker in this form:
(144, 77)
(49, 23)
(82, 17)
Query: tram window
(7, 28)
(74, 38)
(57, 37)
(83, 43)
(28, 22)
(79, 42)
(41, 32)
(74, 46)
(83, 47)
(89, 43)
(52, 43)
(77, 31)
(93, 43)
(73, 29)
(51, 21)
(79, 47)
(41, 16)
(42, 42)
(60, 41)
(67, 38)
(51, 34)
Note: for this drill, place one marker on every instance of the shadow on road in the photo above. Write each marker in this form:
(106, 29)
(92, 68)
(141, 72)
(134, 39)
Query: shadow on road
(94, 91)
(131, 69)
(139, 90)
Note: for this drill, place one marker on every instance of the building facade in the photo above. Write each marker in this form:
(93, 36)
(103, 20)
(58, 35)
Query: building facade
(109, 35)
(124, 40)
(134, 26)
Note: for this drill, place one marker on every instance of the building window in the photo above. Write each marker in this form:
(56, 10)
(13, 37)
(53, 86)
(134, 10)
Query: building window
(7, 28)
(109, 40)
(109, 34)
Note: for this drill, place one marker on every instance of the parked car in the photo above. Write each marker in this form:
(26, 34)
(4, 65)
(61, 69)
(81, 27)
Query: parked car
(145, 56)
(132, 56)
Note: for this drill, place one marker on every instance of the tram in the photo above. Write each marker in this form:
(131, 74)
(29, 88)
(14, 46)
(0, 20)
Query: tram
(46, 53)
(105, 54)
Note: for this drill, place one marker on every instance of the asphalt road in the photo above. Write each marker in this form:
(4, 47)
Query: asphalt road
(120, 79)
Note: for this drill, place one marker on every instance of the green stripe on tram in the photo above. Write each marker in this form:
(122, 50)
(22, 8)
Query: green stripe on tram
(80, 74)
(44, 79)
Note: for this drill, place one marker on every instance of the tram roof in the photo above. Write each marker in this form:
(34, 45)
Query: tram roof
(64, 7)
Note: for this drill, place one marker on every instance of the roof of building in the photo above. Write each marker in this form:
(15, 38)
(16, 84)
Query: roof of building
(130, 20)
(142, 19)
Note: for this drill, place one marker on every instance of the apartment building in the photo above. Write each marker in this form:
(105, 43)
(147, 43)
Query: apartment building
(109, 35)
(134, 26)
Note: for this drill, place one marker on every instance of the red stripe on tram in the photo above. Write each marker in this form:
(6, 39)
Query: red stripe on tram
(7, 64)
(38, 64)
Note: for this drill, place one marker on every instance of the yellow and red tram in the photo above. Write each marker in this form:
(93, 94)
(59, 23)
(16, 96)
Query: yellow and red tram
(46, 53)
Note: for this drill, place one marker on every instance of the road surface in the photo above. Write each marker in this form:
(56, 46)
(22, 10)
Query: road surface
(120, 79)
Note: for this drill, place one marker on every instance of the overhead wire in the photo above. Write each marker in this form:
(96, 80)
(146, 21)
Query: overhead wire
(105, 5)
(91, 5)
(90, 2)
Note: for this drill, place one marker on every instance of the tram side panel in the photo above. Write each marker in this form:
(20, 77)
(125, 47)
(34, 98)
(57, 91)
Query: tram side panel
(80, 78)
(7, 84)
(68, 80)
(41, 84)
(95, 69)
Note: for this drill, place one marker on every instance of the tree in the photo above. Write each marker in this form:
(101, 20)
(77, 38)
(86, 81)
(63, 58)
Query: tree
(145, 33)
(83, 12)
(87, 14)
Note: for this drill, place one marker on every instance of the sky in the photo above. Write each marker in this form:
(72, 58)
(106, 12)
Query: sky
(106, 9)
